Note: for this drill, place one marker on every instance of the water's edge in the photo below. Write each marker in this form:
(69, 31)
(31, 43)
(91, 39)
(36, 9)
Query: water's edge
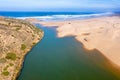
(109, 67)
(21, 65)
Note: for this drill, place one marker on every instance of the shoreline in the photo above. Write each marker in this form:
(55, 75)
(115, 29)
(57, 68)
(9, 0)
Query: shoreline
(17, 38)
(95, 33)
(21, 65)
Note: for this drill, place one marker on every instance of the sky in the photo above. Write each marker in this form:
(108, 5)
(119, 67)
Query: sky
(59, 5)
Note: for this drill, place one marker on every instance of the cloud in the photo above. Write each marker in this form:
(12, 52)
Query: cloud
(56, 4)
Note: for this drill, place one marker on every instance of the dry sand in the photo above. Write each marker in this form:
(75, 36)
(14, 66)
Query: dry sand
(101, 33)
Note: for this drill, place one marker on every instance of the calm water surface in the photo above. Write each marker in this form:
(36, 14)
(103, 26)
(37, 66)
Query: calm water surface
(63, 59)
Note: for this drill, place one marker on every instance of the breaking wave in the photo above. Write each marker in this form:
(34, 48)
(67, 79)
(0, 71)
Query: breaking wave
(68, 17)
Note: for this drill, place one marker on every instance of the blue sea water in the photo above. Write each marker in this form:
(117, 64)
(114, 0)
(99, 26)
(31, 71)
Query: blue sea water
(53, 16)
(56, 58)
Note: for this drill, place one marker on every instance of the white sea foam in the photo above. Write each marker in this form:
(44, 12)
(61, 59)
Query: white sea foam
(67, 17)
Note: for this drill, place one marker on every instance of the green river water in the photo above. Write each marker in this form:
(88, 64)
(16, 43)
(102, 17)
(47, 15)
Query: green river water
(64, 59)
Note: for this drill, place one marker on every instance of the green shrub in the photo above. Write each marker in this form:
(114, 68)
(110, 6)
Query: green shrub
(2, 60)
(11, 56)
(5, 73)
(11, 64)
(18, 28)
(23, 46)
(6, 67)
(34, 43)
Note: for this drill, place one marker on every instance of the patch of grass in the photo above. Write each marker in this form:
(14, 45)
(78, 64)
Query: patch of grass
(38, 30)
(34, 43)
(23, 46)
(11, 64)
(11, 56)
(18, 28)
(2, 60)
(5, 69)
(5, 73)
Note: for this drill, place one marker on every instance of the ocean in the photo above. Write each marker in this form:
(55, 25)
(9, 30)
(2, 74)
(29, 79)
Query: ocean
(65, 58)
(53, 16)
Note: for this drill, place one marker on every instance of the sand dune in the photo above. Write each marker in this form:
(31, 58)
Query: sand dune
(102, 34)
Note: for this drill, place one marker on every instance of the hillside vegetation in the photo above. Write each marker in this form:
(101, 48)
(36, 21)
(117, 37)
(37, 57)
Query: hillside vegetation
(17, 37)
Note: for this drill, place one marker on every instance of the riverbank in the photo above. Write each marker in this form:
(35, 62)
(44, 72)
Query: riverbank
(97, 33)
(17, 37)
(65, 59)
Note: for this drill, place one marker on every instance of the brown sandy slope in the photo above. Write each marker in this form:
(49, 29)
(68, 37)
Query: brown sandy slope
(17, 37)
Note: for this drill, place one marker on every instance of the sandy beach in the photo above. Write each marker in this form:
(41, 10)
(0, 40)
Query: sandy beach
(101, 33)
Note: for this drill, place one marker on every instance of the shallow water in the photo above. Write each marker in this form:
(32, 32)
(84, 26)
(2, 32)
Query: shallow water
(64, 59)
